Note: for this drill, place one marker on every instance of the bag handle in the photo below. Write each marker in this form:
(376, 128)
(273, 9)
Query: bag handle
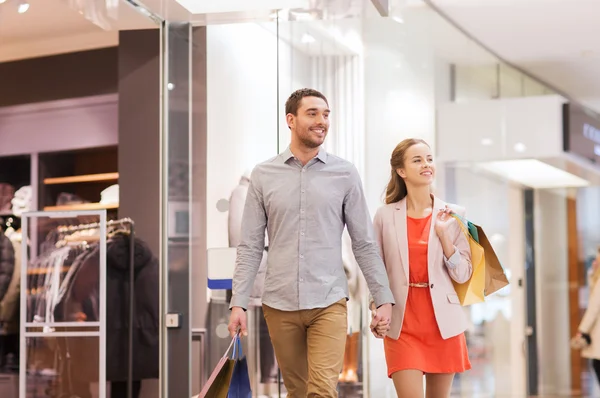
(237, 347)
(462, 222)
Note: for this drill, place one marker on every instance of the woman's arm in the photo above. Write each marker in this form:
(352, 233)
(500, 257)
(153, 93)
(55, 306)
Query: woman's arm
(591, 313)
(457, 253)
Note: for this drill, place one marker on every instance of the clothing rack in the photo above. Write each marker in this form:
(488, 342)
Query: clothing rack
(125, 222)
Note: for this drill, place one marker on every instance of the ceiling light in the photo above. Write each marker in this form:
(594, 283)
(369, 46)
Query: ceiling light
(534, 173)
(23, 7)
(307, 38)
(487, 142)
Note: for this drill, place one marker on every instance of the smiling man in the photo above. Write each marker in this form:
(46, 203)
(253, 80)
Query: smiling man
(304, 197)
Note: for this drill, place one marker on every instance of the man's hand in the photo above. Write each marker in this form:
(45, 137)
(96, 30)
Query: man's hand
(380, 324)
(237, 319)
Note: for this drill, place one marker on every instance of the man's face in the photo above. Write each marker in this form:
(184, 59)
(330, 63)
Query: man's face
(311, 123)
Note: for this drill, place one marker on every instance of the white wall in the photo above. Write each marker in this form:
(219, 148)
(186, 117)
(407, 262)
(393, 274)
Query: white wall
(552, 292)
(399, 97)
(242, 106)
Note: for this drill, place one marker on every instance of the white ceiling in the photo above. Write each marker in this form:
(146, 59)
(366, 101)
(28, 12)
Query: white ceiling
(53, 27)
(557, 41)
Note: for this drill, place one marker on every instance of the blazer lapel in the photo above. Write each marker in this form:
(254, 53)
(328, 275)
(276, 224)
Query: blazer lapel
(402, 235)
(434, 246)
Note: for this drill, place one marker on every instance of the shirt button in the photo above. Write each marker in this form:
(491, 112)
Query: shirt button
(303, 170)
(302, 256)
(302, 233)
(303, 191)
(432, 285)
(301, 280)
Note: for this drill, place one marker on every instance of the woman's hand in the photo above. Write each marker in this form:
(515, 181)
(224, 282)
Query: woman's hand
(381, 329)
(443, 222)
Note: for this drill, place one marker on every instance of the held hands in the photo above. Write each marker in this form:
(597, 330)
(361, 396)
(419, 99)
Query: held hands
(237, 320)
(381, 318)
(443, 221)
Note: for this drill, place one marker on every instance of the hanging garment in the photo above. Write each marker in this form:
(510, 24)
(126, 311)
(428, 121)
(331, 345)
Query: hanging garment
(9, 304)
(7, 193)
(85, 290)
(7, 263)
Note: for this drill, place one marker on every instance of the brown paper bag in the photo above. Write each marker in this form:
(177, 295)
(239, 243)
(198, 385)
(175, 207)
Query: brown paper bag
(495, 278)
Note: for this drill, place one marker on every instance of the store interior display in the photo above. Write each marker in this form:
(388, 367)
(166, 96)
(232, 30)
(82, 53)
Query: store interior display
(79, 179)
(15, 185)
(63, 286)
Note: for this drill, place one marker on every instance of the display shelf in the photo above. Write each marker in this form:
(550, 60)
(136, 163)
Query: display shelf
(83, 206)
(82, 178)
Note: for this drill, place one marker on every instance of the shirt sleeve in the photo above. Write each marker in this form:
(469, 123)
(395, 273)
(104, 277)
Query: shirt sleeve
(252, 243)
(364, 244)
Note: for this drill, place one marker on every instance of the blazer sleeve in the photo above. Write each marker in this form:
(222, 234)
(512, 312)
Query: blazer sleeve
(591, 313)
(459, 264)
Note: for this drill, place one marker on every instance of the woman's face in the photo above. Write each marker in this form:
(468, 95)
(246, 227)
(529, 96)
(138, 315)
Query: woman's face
(419, 168)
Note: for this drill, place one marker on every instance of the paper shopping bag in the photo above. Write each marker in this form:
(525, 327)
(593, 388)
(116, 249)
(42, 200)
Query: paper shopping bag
(495, 278)
(217, 385)
(239, 387)
(472, 291)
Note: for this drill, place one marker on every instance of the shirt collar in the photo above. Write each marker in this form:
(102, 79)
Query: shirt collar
(287, 155)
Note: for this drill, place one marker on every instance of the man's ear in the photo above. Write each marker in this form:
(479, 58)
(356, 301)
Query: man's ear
(291, 120)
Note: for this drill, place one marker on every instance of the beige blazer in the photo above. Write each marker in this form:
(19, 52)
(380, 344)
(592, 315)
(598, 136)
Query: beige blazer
(590, 325)
(390, 228)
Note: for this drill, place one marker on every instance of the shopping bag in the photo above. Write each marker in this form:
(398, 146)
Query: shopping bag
(495, 278)
(217, 385)
(239, 387)
(472, 291)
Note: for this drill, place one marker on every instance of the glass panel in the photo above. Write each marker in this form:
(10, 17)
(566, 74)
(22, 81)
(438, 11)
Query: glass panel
(62, 366)
(236, 128)
(63, 303)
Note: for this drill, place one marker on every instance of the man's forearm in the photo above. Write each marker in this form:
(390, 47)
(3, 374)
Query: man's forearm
(246, 268)
(375, 274)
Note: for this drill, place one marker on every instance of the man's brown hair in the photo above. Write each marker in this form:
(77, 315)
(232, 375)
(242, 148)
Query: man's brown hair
(293, 102)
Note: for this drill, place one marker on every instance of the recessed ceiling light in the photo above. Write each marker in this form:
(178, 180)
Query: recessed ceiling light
(487, 142)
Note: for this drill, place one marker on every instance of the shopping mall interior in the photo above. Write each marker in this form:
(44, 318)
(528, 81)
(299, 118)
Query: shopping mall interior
(129, 129)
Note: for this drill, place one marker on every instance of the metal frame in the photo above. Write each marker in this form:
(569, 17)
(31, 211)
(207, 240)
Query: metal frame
(101, 333)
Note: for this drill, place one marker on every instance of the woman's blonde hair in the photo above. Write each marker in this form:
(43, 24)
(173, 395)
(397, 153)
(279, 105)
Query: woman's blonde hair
(396, 188)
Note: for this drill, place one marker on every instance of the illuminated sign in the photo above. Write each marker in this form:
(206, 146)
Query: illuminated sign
(581, 132)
